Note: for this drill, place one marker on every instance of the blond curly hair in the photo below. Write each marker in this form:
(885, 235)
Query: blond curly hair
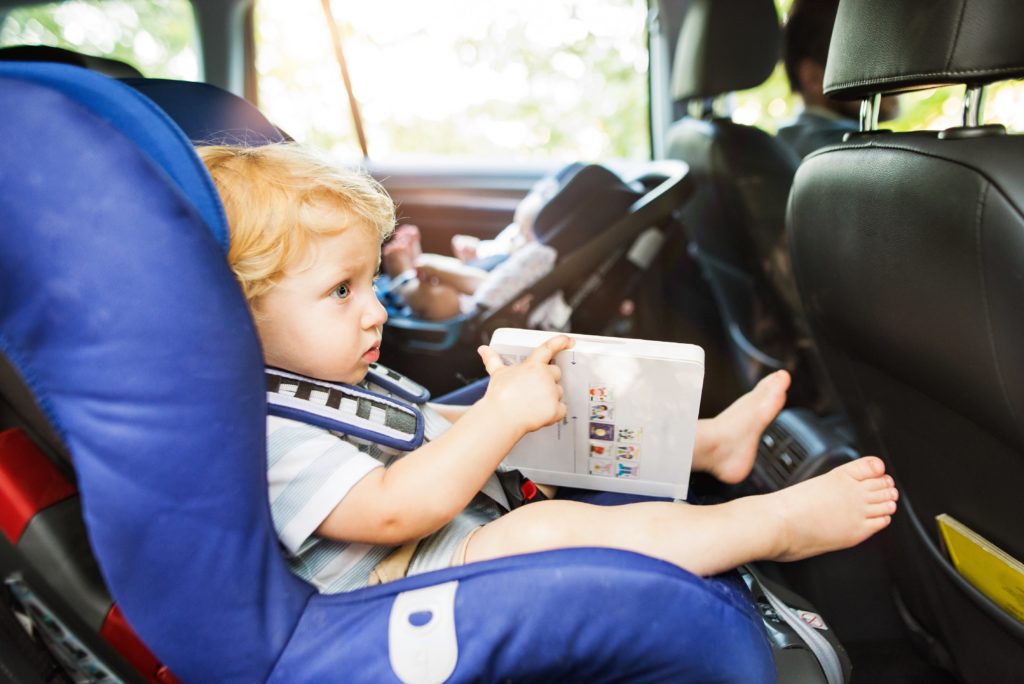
(267, 192)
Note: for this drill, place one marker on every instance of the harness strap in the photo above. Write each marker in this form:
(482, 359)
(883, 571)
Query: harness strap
(343, 408)
(376, 418)
(398, 384)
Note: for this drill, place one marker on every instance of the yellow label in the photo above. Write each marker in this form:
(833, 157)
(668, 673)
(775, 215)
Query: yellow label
(992, 571)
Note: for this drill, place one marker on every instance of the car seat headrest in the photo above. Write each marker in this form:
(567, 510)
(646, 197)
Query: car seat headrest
(47, 53)
(891, 46)
(589, 198)
(137, 118)
(207, 114)
(724, 46)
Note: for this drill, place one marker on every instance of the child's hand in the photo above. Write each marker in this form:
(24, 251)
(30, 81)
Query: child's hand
(528, 393)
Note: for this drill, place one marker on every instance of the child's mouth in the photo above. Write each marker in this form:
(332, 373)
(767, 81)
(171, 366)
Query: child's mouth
(372, 354)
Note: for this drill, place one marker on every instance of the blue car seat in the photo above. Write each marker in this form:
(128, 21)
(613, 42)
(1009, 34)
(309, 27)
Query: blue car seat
(128, 352)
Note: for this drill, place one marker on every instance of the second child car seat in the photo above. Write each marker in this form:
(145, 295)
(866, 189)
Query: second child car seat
(583, 202)
(607, 232)
(592, 219)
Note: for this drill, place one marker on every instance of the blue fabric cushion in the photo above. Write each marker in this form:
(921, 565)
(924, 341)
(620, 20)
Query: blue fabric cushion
(139, 120)
(118, 311)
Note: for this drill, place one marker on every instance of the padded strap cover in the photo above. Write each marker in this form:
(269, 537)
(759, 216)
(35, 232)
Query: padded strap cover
(350, 410)
(889, 46)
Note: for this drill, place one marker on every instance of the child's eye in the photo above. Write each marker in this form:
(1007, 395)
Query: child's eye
(341, 291)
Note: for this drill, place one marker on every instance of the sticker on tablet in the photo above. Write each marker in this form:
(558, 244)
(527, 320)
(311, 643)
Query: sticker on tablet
(601, 411)
(605, 431)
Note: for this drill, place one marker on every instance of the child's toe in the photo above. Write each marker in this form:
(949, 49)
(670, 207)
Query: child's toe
(865, 468)
(885, 508)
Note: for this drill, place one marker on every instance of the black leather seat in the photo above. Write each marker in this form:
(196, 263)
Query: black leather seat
(742, 177)
(909, 254)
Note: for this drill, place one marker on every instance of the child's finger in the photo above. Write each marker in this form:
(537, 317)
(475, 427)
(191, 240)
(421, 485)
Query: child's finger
(556, 372)
(545, 352)
(492, 361)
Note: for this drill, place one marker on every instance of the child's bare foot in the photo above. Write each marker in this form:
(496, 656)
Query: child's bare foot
(411, 234)
(397, 253)
(726, 445)
(833, 511)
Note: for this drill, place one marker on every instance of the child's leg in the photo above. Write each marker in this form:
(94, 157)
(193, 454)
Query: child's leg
(726, 445)
(832, 511)
(432, 301)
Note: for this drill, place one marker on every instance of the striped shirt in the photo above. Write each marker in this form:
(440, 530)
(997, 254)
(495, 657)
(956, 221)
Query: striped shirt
(310, 470)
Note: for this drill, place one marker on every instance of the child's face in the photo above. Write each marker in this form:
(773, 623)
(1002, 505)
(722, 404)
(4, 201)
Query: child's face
(323, 318)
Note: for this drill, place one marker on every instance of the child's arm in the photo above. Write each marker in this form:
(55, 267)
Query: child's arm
(449, 412)
(423, 491)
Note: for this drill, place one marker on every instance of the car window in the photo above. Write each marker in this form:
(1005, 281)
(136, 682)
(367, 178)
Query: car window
(772, 104)
(502, 79)
(157, 37)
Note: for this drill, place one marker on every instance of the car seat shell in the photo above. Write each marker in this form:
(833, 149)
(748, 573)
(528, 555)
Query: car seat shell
(119, 313)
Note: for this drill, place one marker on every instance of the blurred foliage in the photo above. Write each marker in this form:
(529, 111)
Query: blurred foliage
(503, 79)
(157, 37)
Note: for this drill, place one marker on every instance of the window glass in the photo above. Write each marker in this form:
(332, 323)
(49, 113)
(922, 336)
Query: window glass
(772, 104)
(157, 37)
(510, 79)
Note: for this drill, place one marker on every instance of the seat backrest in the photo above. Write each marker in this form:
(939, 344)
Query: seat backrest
(908, 250)
(207, 114)
(742, 177)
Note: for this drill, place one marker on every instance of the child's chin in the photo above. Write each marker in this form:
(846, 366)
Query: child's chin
(350, 377)
(356, 375)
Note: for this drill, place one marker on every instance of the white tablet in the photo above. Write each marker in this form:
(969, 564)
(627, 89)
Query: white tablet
(632, 414)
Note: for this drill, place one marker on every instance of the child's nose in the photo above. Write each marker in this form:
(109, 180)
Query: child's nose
(375, 314)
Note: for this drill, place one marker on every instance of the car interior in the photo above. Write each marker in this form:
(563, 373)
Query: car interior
(880, 271)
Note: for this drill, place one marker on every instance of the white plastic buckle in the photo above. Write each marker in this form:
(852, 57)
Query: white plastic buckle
(422, 645)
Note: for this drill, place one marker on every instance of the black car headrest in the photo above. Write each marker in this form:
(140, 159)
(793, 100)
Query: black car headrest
(725, 45)
(891, 46)
(46, 53)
